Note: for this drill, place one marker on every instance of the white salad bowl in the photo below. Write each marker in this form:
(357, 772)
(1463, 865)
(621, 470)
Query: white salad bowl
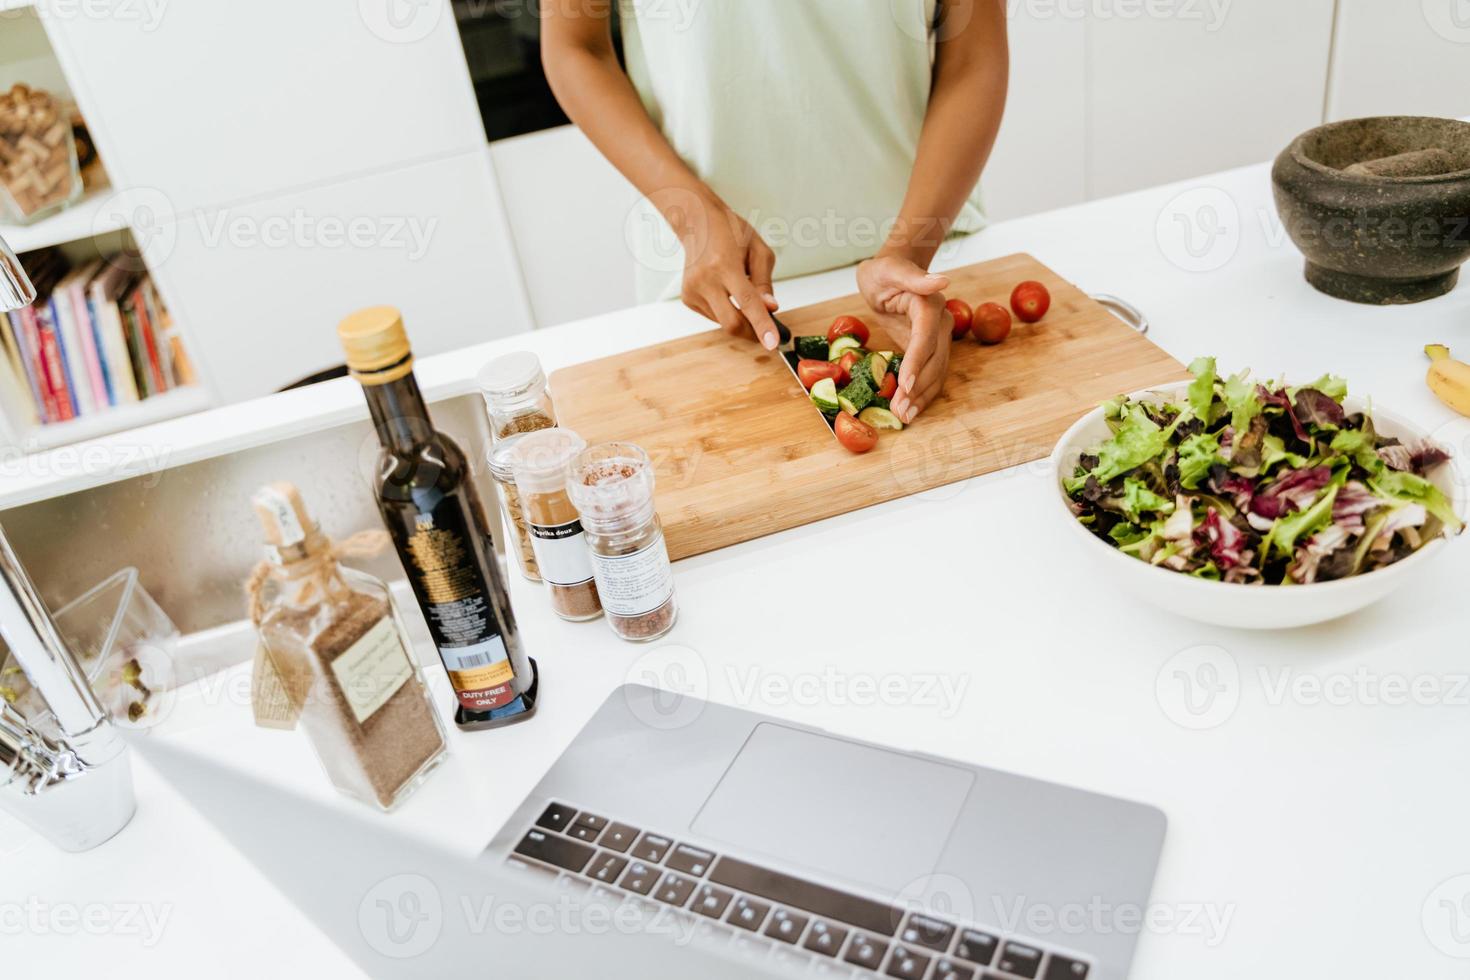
(1231, 604)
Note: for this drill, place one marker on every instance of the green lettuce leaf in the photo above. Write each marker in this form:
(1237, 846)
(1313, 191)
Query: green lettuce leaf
(1407, 486)
(1331, 386)
(1139, 499)
(1288, 530)
(1202, 390)
(1242, 400)
(1196, 455)
(1137, 441)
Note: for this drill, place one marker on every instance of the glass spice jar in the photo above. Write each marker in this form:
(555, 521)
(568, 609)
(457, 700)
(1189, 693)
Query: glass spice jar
(611, 486)
(541, 463)
(502, 470)
(334, 638)
(516, 398)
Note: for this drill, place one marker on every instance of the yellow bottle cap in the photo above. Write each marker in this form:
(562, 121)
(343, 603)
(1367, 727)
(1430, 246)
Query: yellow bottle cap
(376, 345)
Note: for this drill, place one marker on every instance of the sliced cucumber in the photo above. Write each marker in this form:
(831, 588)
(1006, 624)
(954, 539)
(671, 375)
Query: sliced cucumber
(824, 396)
(880, 418)
(841, 346)
(858, 395)
(877, 367)
(894, 363)
(811, 348)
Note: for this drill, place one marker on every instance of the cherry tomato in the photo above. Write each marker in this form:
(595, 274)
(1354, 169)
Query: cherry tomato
(810, 372)
(888, 386)
(845, 364)
(1030, 300)
(855, 435)
(963, 316)
(992, 323)
(848, 325)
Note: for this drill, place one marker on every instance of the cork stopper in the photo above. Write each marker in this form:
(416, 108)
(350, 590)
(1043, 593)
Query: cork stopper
(284, 519)
(376, 345)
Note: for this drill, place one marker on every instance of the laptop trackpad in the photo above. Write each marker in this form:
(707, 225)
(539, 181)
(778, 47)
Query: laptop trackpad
(866, 814)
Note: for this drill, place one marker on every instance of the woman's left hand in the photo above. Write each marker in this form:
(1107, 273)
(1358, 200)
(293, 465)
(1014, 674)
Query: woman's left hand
(909, 303)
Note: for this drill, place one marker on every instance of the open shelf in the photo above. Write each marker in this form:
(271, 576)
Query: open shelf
(159, 408)
(84, 219)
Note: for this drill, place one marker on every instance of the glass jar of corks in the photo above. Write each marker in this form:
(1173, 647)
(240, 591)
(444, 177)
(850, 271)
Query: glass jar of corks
(339, 653)
(541, 462)
(611, 486)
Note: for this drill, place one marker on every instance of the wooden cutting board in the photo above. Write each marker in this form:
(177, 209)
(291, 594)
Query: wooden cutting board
(740, 452)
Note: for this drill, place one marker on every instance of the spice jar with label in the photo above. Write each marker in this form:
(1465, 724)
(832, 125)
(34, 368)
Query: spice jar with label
(337, 646)
(514, 389)
(611, 486)
(502, 470)
(542, 460)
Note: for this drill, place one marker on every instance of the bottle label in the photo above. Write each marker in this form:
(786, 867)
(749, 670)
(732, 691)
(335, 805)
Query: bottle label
(455, 601)
(634, 584)
(373, 669)
(561, 553)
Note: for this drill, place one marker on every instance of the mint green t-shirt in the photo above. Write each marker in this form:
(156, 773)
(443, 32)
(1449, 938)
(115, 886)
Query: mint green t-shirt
(804, 115)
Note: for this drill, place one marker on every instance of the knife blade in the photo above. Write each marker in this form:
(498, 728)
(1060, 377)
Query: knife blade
(787, 350)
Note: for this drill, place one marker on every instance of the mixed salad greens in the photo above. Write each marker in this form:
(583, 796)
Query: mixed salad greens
(1261, 483)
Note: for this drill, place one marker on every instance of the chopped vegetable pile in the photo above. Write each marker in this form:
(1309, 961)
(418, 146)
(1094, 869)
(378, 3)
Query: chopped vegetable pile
(1258, 483)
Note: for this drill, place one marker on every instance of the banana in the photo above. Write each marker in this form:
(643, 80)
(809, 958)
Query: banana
(1449, 379)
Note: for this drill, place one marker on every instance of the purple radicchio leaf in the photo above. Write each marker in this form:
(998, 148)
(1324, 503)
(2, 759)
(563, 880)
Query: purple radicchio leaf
(1316, 408)
(1294, 490)
(1309, 556)
(1352, 502)
(1223, 539)
(1418, 457)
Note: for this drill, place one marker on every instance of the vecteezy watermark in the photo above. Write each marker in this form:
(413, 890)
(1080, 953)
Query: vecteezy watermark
(144, 921)
(1199, 687)
(405, 916)
(1199, 230)
(677, 682)
(1450, 19)
(146, 14)
(1446, 917)
(28, 461)
(301, 229)
(401, 917)
(1097, 916)
(753, 685)
(402, 21)
(148, 213)
(1211, 14)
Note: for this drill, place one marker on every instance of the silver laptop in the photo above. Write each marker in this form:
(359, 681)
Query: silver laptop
(784, 845)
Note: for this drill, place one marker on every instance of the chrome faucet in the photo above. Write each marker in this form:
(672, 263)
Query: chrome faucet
(66, 773)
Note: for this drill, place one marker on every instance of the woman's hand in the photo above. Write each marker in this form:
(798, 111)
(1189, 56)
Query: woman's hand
(910, 304)
(727, 269)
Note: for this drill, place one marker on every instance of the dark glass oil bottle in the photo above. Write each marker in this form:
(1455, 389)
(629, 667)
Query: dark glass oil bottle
(438, 525)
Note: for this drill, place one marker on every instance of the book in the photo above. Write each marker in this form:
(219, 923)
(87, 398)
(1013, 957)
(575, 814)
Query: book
(138, 304)
(62, 407)
(75, 289)
(137, 349)
(15, 353)
(103, 293)
(15, 392)
(69, 342)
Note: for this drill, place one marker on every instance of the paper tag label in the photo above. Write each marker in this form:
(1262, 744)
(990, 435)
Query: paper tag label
(561, 553)
(634, 584)
(373, 669)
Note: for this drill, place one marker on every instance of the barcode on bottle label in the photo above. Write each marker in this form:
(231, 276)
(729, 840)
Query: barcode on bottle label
(475, 660)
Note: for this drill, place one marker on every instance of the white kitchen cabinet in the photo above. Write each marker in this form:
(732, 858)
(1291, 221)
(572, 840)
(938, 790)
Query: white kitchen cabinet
(264, 284)
(1401, 58)
(1200, 85)
(568, 208)
(211, 103)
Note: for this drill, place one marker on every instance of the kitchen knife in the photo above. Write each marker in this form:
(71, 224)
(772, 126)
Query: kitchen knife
(787, 350)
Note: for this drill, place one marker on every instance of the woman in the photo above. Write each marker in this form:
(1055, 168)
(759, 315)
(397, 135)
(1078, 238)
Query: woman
(783, 137)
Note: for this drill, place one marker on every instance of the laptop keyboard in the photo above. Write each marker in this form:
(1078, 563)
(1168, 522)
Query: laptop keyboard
(832, 928)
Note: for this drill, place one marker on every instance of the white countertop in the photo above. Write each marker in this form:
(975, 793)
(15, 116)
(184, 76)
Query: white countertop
(1316, 826)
